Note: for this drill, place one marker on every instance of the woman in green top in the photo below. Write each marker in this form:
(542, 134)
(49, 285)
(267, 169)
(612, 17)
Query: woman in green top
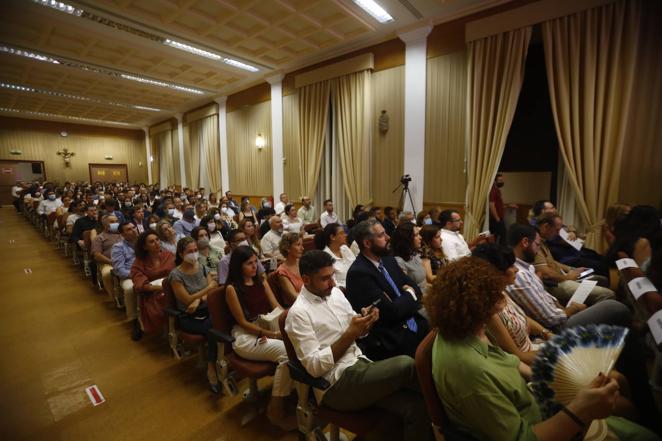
(482, 388)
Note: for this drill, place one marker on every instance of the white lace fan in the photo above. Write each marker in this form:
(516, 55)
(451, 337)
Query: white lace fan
(570, 361)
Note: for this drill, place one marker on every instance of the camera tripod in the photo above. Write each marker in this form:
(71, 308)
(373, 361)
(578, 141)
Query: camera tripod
(404, 195)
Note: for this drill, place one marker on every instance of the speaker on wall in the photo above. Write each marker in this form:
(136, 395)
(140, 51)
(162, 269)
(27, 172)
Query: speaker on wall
(36, 168)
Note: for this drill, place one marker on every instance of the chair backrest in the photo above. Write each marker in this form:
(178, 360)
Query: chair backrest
(425, 380)
(87, 239)
(274, 284)
(169, 294)
(219, 312)
(51, 218)
(291, 353)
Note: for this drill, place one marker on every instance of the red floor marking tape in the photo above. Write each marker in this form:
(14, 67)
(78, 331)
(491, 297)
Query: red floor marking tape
(95, 396)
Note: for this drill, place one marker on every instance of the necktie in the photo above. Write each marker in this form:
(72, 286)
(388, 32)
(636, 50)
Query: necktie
(411, 323)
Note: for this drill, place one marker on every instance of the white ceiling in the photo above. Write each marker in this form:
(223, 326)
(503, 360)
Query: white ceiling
(124, 37)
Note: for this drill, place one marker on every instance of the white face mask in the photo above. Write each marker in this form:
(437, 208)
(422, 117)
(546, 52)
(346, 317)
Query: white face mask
(217, 216)
(211, 227)
(152, 227)
(191, 257)
(243, 243)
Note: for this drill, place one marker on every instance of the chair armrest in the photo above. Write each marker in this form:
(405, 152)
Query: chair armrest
(172, 312)
(221, 336)
(298, 373)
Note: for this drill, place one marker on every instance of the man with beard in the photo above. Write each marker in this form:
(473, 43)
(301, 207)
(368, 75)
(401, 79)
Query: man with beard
(376, 277)
(529, 293)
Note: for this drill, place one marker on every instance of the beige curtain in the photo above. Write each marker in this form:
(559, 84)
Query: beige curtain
(163, 144)
(445, 129)
(352, 104)
(313, 121)
(388, 93)
(192, 153)
(494, 78)
(642, 167)
(154, 160)
(291, 168)
(210, 155)
(590, 68)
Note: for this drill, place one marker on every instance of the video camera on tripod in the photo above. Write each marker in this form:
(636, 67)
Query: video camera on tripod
(406, 194)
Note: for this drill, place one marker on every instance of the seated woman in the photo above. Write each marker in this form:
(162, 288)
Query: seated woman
(191, 282)
(169, 237)
(432, 254)
(511, 327)
(291, 222)
(333, 240)
(406, 245)
(289, 278)
(215, 230)
(248, 228)
(248, 297)
(246, 212)
(152, 221)
(152, 264)
(481, 387)
(208, 256)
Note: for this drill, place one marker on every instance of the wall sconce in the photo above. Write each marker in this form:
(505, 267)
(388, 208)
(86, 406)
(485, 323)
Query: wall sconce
(15, 152)
(259, 141)
(108, 157)
(151, 159)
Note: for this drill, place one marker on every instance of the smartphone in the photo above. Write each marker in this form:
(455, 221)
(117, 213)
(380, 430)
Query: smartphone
(372, 305)
(586, 273)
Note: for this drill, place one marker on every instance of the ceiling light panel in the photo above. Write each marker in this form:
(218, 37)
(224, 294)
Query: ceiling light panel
(375, 10)
(54, 115)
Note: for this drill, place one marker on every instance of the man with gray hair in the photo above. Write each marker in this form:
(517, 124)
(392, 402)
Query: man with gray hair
(271, 239)
(407, 216)
(101, 250)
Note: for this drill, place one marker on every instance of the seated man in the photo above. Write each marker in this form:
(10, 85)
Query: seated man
(565, 277)
(328, 217)
(85, 223)
(323, 329)
(567, 254)
(50, 204)
(376, 276)
(122, 256)
(101, 249)
(281, 204)
(529, 293)
(271, 239)
(187, 223)
(452, 242)
(307, 212)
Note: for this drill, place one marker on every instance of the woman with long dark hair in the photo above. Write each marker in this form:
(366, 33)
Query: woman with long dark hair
(333, 240)
(406, 244)
(249, 299)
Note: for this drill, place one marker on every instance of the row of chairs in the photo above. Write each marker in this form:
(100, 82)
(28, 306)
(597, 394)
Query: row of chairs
(233, 369)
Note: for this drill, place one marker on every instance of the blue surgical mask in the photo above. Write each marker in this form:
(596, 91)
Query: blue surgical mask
(427, 221)
(51, 197)
(171, 211)
(114, 227)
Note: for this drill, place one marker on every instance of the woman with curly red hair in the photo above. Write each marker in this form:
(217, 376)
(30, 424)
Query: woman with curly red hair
(482, 388)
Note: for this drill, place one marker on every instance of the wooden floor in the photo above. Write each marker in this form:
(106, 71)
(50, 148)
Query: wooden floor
(59, 335)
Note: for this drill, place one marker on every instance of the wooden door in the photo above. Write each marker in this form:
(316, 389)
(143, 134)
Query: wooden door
(109, 173)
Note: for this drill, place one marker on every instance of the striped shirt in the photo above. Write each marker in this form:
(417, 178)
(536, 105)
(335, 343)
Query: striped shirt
(529, 293)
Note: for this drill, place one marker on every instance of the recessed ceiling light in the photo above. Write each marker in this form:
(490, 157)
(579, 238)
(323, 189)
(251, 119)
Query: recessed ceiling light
(161, 83)
(27, 54)
(22, 88)
(53, 115)
(208, 54)
(373, 8)
(63, 7)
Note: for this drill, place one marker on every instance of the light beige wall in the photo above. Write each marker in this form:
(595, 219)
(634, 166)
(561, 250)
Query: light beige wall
(526, 187)
(388, 149)
(249, 168)
(445, 129)
(291, 166)
(41, 140)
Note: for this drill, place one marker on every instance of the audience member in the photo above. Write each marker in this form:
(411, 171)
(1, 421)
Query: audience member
(151, 265)
(215, 229)
(231, 203)
(122, 255)
(406, 244)
(50, 204)
(283, 201)
(376, 276)
(615, 213)
(191, 283)
(452, 242)
(83, 224)
(541, 208)
(248, 228)
(138, 218)
(289, 279)
(483, 389)
(187, 223)
(271, 239)
(266, 211)
(249, 297)
(324, 329)
(333, 240)
(328, 217)
(497, 210)
(246, 212)
(307, 212)
(208, 256)
(432, 254)
(390, 220)
(169, 237)
(236, 238)
(101, 250)
(634, 234)
(291, 222)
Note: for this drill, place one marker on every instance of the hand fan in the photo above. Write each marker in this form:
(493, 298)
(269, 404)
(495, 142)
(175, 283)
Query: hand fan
(570, 361)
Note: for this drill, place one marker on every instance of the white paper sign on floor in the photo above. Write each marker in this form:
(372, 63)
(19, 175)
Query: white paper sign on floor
(640, 286)
(95, 396)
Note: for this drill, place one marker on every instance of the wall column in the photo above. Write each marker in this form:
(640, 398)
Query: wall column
(223, 142)
(278, 179)
(415, 99)
(148, 155)
(180, 136)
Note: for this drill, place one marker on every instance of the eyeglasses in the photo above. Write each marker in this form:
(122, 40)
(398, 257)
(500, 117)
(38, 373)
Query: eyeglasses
(456, 220)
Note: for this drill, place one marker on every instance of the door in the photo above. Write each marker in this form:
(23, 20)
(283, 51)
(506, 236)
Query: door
(109, 173)
(12, 171)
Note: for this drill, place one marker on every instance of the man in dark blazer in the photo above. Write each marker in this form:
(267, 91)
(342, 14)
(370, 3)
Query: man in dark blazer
(375, 275)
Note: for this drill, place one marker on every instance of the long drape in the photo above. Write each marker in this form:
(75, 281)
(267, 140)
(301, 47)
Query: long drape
(154, 160)
(352, 103)
(164, 146)
(313, 114)
(494, 78)
(192, 131)
(203, 156)
(590, 69)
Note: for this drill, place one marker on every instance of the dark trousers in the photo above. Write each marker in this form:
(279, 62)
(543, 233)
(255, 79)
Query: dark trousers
(17, 204)
(192, 325)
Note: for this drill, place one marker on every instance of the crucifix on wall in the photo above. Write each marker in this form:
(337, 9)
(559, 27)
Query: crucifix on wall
(66, 155)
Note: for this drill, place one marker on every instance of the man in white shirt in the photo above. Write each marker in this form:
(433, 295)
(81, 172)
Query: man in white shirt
(328, 217)
(16, 195)
(323, 329)
(307, 212)
(452, 242)
(49, 205)
(271, 239)
(280, 206)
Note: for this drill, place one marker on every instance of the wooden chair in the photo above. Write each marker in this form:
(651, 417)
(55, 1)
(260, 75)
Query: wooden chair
(176, 337)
